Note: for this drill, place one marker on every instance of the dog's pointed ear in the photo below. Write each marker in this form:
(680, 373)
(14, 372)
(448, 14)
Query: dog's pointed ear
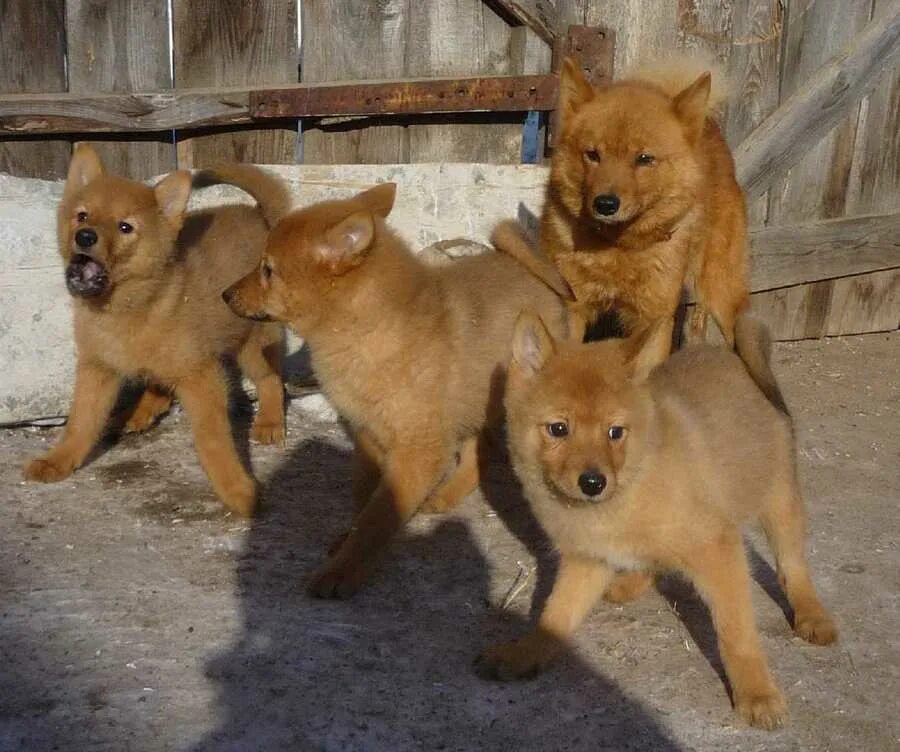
(692, 106)
(345, 244)
(648, 348)
(84, 167)
(380, 199)
(574, 88)
(172, 194)
(532, 343)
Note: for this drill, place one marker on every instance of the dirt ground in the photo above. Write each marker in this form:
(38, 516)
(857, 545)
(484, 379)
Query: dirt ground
(136, 615)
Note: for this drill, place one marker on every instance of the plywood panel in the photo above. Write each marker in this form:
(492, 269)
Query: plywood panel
(121, 46)
(32, 59)
(235, 42)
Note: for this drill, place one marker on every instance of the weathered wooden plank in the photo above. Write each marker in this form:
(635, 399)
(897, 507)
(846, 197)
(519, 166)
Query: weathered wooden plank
(236, 42)
(487, 94)
(538, 15)
(791, 131)
(783, 256)
(461, 38)
(32, 59)
(373, 43)
(849, 305)
(196, 108)
(122, 46)
(643, 29)
(815, 187)
(874, 184)
(123, 113)
(753, 75)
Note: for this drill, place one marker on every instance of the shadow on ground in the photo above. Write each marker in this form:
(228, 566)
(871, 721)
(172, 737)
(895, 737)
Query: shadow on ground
(390, 669)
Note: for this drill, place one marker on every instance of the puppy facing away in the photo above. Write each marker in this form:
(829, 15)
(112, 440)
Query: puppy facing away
(146, 281)
(642, 197)
(632, 471)
(412, 356)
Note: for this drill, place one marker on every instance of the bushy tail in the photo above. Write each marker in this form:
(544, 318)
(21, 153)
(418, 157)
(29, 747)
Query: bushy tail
(754, 346)
(509, 238)
(270, 192)
(673, 73)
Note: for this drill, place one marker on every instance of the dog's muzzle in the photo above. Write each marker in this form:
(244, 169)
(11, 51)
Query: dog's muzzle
(86, 277)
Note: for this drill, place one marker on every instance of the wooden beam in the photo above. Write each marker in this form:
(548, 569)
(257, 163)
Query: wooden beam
(784, 256)
(780, 140)
(197, 108)
(828, 249)
(540, 16)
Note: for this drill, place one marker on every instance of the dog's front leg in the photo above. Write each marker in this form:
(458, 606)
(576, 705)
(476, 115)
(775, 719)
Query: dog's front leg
(579, 585)
(205, 398)
(721, 575)
(96, 389)
(409, 474)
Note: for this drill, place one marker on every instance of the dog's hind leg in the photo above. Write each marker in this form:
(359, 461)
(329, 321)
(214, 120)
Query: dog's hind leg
(260, 359)
(784, 521)
(460, 483)
(96, 389)
(722, 576)
(409, 474)
(154, 401)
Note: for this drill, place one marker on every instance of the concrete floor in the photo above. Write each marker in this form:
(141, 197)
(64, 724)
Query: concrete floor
(136, 615)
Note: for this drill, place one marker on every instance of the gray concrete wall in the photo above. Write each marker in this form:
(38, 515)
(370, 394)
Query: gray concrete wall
(434, 202)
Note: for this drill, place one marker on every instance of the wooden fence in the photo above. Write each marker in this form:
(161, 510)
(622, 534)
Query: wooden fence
(818, 146)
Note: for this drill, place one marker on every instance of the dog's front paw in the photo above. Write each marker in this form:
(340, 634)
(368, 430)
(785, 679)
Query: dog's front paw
(520, 659)
(335, 581)
(816, 628)
(48, 469)
(268, 433)
(766, 710)
(240, 497)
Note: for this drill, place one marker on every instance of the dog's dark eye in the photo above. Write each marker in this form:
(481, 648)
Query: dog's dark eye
(125, 228)
(644, 159)
(266, 271)
(616, 432)
(592, 155)
(558, 430)
(81, 216)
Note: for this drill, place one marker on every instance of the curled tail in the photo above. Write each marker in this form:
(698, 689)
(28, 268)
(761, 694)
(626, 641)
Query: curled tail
(270, 192)
(509, 238)
(754, 346)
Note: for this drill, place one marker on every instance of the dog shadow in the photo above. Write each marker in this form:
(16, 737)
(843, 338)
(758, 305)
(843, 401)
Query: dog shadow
(392, 668)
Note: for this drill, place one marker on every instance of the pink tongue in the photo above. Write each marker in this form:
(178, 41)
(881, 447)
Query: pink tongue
(91, 269)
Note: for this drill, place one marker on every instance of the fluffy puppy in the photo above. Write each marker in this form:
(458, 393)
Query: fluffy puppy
(641, 198)
(632, 471)
(413, 356)
(146, 281)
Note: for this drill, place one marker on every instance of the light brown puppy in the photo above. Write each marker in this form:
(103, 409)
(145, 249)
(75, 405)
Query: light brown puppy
(413, 357)
(633, 473)
(146, 281)
(641, 196)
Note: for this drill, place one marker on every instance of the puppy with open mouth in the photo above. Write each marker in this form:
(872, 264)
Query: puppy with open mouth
(145, 277)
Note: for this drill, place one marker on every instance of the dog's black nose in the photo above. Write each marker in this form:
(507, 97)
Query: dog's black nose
(591, 482)
(606, 204)
(85, 238)
(228, 295)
